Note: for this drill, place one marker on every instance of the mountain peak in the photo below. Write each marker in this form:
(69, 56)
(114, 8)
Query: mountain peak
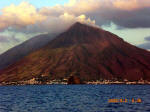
(77, 23)
(80, 26)
(78, 33)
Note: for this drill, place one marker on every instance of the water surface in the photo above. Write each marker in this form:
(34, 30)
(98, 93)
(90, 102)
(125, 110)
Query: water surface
(73, 98)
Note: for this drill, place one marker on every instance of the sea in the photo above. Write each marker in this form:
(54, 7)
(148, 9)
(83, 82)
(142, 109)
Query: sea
(75, 98)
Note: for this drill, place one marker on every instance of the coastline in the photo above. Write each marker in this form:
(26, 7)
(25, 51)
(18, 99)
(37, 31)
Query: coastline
(60, 82)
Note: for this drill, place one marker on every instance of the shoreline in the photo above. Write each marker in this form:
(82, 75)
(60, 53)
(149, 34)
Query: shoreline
(65, 83)
(68, 84)
(34, 81)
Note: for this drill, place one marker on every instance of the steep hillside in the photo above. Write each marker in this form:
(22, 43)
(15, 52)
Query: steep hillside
(18, 52)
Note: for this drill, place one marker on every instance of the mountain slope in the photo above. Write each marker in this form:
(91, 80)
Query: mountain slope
(18, 52)
(89, 52)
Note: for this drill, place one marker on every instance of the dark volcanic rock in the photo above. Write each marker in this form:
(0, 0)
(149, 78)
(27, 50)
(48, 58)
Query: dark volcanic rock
(89, 51)
(74, 80)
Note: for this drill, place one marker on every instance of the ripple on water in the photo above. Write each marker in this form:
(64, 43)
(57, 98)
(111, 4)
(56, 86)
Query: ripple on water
(73, 98)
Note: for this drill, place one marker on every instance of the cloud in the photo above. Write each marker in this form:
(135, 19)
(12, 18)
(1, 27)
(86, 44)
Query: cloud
(28, 19)
(7, 42)
(131, 4)
(9, 39)
(55, 24)
(3, 39)
(19, 16)
(147, 38)
(146, 45)
(25, 17)
(124, 13)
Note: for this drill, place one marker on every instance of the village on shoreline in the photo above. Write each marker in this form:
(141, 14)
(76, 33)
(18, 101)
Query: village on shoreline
(33, 81)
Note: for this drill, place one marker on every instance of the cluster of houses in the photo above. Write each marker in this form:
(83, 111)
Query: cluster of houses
(125, 81)
(72, 80)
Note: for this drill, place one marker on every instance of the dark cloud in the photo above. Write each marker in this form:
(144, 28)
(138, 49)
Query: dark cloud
(147, 38)
(133, 19)
(139, 18)
(5, 39)
(147, 44)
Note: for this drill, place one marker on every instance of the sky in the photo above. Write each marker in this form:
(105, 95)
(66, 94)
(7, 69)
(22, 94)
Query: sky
(21, 20)
(36, 3)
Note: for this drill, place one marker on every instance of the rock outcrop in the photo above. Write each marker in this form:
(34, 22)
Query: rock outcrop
(74, 80)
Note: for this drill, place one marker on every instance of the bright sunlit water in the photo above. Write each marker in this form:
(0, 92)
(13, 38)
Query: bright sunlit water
(73, 98)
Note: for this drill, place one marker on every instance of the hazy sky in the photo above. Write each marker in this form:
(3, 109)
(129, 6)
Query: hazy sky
(36, 3)
(23, 19)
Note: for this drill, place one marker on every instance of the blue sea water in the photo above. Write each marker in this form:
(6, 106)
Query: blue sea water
(73, 98)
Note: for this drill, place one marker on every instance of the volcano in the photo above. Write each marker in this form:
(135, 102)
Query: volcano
(89, 52)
